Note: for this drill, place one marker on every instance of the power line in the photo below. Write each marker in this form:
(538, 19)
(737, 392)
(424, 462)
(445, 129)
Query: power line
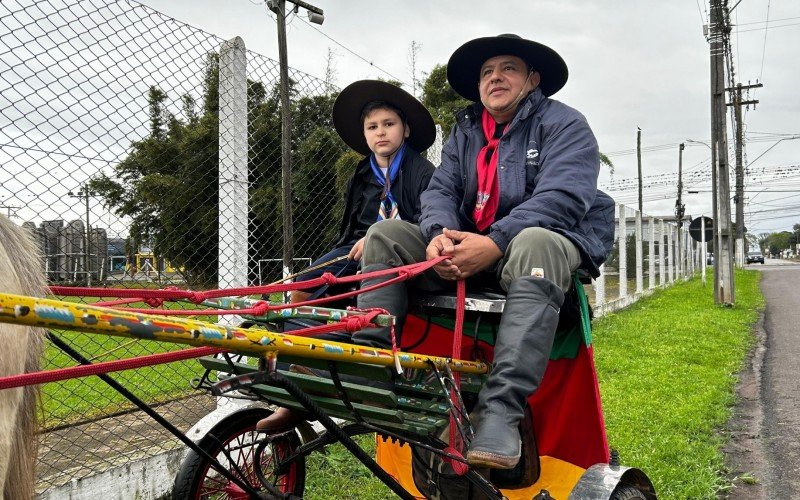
(770, 27)
(354, 53)
(700, 11)
(764, 49)
(68, 155)
(768, 21)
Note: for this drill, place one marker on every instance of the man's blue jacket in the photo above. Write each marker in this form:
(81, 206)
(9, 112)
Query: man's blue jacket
(547, 166)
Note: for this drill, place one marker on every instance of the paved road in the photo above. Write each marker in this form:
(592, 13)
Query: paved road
(770, 400)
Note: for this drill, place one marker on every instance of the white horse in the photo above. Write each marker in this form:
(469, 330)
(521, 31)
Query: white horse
(20, 351)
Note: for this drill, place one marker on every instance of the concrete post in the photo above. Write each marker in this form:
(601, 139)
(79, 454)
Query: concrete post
(600, 288)
(233, 174)
(639, 255)
(670, 255)
(623, 252)
(651, 222)
(662, 251)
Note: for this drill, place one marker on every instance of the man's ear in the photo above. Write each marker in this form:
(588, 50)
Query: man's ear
(407, 131)
(534, 78)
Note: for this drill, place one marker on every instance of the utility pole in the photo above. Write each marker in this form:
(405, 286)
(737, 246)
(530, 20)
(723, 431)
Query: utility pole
(8, 209)
(315, 15)
(738, 199)
(679, 206)
(639, 161)
(719, 28)
(84, 193)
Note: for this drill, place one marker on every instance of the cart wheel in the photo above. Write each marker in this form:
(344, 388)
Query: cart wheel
(235, 439)
(627, 493)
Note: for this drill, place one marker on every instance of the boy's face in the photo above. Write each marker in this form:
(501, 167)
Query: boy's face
(384, 131)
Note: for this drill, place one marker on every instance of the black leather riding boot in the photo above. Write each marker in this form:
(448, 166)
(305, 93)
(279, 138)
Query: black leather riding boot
(393, 298)
(524, 340)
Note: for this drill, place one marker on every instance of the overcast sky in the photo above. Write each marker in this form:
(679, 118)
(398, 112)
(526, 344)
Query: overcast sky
(643, 63)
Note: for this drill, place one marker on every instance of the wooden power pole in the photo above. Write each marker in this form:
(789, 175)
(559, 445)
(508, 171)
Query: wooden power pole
(680, 207)
(738, 199)
(719, 28)
(279, 8)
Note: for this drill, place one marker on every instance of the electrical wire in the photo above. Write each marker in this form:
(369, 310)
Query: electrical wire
(354, 53)
(768, 21)
(764, 48)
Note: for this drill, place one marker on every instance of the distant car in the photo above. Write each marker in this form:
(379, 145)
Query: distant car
(754, 257)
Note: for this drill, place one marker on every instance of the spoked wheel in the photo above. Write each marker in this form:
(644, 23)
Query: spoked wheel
(248, 454)
(628, 493)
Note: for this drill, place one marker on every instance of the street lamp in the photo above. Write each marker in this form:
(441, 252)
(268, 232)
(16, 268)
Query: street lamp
(85, 193)
(714, 208)
(698, 142)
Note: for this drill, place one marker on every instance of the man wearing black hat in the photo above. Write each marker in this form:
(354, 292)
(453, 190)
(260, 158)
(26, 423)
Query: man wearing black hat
(515, 200)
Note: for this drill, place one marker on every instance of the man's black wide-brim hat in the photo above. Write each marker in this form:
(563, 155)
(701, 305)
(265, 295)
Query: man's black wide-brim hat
(464, 66)
(351, 101)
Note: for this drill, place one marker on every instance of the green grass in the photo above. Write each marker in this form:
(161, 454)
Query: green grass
(84, 398)
(667, 367)
(338, 474)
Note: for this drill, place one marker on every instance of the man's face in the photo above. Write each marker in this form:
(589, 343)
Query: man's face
(503, 80)
(384, 131)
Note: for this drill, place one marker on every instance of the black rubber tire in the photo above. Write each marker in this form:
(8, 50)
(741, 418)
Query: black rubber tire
(627, 493)
(196, 480)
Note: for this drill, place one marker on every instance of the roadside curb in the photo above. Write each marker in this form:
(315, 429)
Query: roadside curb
(745, 456)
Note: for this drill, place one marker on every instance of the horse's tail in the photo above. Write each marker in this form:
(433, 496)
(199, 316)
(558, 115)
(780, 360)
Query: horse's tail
(22, 253)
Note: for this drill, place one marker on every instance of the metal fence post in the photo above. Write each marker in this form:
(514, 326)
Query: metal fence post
(651, 282)
(639, 255)
(233, 175)
(623, 252)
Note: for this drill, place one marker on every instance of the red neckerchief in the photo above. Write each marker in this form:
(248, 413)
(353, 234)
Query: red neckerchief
(488, 198)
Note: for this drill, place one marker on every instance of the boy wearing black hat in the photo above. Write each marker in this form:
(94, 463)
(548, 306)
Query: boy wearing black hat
(389, 127)
(515, 201)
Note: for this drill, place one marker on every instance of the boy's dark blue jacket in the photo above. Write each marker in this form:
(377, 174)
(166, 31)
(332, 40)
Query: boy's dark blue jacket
(547, 167)
(363, 193)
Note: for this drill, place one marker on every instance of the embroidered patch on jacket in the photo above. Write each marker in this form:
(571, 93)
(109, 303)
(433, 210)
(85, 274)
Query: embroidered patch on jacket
(532, 157)
(537, 272)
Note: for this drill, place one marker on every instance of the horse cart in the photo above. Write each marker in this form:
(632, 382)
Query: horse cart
(416, 398)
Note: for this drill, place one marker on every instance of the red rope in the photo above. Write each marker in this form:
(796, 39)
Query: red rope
(155, 297)
(105, 367)
(456, 446)
(121, 302)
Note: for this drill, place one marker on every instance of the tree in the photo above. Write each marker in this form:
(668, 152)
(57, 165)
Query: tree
(168, 184)
(441, 100)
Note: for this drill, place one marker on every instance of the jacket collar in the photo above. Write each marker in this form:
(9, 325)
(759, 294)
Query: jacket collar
(470, 116)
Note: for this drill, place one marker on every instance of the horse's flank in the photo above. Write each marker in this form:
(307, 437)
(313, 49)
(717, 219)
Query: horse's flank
(20, 350)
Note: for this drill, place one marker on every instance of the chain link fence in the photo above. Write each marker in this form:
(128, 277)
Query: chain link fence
(144, 153)
(648, 253)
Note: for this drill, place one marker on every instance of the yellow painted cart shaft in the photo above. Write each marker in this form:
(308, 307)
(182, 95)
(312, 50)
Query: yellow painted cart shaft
(56, 314)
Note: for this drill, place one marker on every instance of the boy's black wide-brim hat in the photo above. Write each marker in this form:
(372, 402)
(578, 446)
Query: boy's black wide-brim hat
(464, 66)
(351, 101)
